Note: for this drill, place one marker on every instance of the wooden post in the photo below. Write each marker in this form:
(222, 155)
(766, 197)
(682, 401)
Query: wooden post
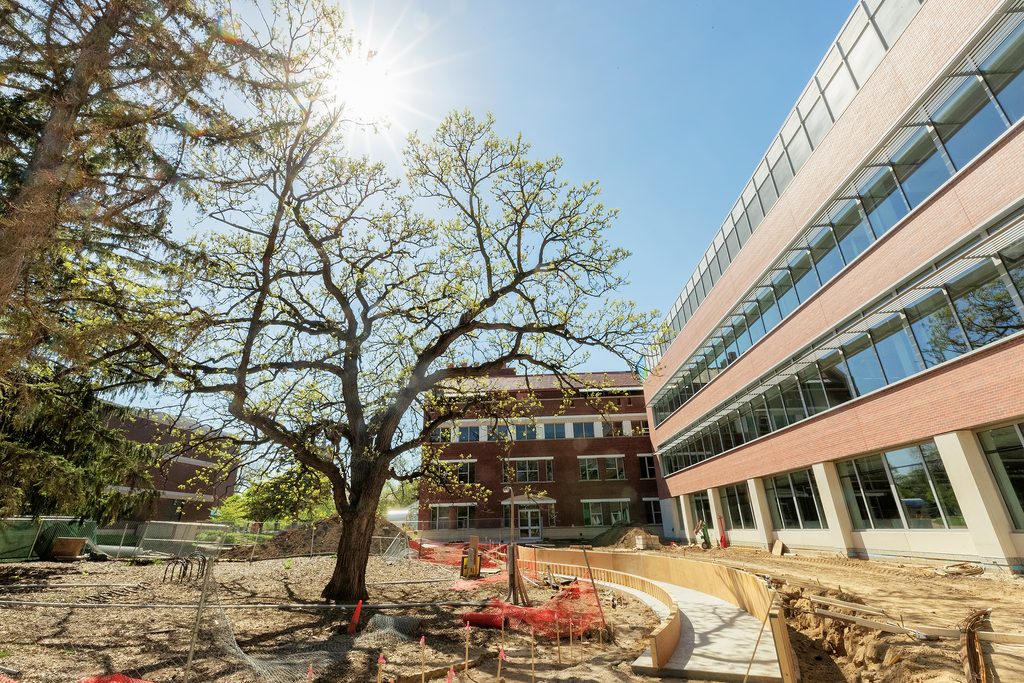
(465, 668)
(558, 641)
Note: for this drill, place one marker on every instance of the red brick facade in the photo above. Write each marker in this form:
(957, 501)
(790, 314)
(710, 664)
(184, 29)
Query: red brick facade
(564, 485)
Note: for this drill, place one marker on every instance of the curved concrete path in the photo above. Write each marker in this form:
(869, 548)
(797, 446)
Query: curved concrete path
(716, 643)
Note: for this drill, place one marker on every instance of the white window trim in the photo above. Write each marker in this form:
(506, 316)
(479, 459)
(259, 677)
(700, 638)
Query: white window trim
(452, 505)
(531, 457)
(601, 455)
(655, 498)
(458, 462)
(605, 500)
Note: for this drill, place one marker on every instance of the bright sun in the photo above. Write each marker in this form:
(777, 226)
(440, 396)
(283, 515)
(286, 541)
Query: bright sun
(368, 89)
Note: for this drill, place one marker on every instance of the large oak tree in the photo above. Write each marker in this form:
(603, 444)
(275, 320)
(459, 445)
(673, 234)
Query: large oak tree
(338, 305)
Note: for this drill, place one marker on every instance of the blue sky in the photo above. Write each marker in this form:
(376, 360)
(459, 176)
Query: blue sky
(670, 104)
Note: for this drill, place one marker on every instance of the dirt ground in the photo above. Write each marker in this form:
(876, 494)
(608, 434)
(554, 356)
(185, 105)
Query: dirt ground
(242, 645)
(830, 651)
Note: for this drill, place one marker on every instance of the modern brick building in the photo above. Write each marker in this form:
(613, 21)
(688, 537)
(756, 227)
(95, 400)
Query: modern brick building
(573, 471)
(847, 368)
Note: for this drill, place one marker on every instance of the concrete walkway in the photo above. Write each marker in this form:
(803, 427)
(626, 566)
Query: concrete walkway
(716, 642)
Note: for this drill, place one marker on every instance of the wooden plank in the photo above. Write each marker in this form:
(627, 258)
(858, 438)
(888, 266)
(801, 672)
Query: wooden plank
(833, 602)
(868, 623)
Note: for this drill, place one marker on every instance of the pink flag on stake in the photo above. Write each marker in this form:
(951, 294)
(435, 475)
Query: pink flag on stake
(451, 675)
(467, 626)
(380, 660)
(309, 674)
(423, 641)
(501, 655)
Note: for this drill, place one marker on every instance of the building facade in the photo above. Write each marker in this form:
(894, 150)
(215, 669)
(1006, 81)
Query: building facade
(191, 479)
(573, 463)
(847, 367)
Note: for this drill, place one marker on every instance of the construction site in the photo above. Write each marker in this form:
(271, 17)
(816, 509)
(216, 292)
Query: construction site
(179, 606)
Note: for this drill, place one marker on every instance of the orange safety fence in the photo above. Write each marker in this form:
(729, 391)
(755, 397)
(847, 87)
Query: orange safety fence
(492, 555)
(575, 607)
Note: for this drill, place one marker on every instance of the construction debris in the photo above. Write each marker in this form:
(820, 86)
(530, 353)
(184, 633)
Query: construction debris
(960, 569)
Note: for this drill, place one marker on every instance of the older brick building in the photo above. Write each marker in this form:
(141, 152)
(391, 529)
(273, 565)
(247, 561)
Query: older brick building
(573, 471)
(846, 372)
(190, 480)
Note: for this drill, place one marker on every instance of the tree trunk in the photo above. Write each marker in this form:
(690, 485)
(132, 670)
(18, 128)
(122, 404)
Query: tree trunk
(348, 583)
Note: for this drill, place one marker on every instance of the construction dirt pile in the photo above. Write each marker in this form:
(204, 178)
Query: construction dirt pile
(625, 536)
(319, 538)
(857, 653)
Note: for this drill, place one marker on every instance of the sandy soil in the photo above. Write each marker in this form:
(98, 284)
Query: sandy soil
(56, 645)
(829, 651)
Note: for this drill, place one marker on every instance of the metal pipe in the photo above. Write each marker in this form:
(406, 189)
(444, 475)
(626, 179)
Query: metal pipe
(193, 605)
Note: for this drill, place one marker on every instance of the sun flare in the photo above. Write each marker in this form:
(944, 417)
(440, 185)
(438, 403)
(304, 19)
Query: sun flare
(368, 89)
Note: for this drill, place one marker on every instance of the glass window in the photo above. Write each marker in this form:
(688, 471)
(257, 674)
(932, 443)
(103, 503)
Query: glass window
(914, 489)
(583, 430)
(840, 90)
(652, 511)
(589, 469)
(812, 390)
(895, 349)
(732, 243)
(528, 470)
(809, 505)
(786, 296)
(935, 330)
(804, 275)
(967, 122)
(817, 121)
(466, 472)
(770, 314)
(863, 365)
(882, 200)
(836, 379)
(755, 326)
(526, 432)
(469, 434)
(700, 506)
(984, 306)
(1003, 70)
(788, 517)
(920, 167)
(792, 401)
(1005, 450)
(868, 494)
(463, 517)
(942, 487)
(618, 512)
(554, 431)
(736, 501)
(865, 55)
(893, 16)
(782, 173)
(614, 468)
(776, 408)
(798, 148)
(767, 194)
(762, 420)
(742, 226)
(1013, 259)
(828, 260)
(641, 428)
(593, 514)
(441, 434)
(647, 470)
(852, 229)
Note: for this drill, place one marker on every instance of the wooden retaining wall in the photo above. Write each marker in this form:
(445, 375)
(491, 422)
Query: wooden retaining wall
(640, 570)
